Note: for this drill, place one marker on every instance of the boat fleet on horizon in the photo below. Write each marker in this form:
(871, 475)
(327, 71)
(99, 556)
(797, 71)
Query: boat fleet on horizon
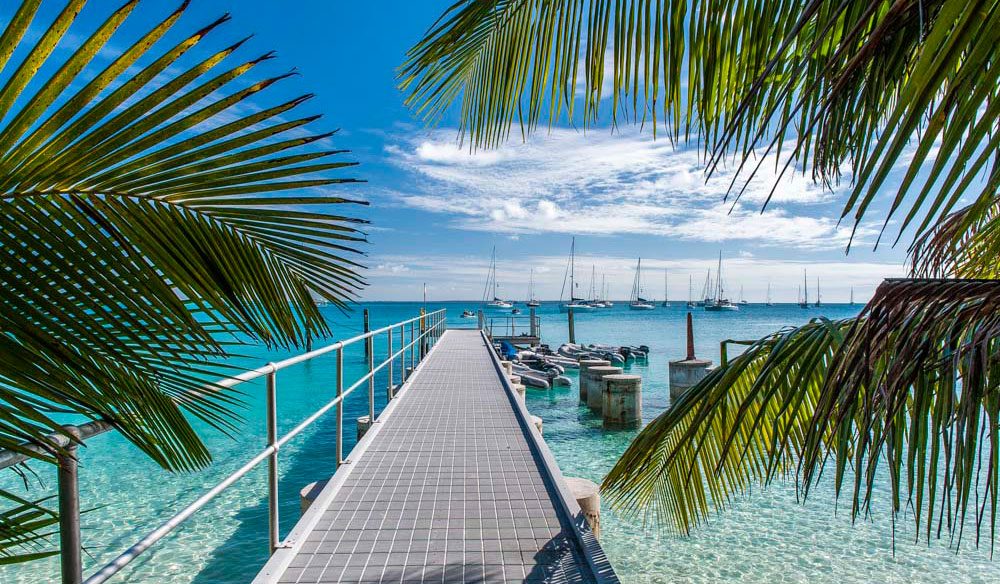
(713, 296)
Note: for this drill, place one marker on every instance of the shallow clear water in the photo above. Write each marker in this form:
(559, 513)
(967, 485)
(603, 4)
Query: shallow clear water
(767, 537)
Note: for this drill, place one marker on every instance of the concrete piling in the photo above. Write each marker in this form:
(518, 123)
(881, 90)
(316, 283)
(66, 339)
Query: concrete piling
(686, 373)
(588, 496)
(308, 494)
(584, 365)
(364, 423)
(519, 388)
(622, 401)
(572, 326)
(594, 380)
(537, 421)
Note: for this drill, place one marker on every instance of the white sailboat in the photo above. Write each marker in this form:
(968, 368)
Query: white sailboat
(491, 283)
(804, 299)
(690, 303)
(819, 299)
(852, 295)
(666, 299)
(532, 301)
(637, 302)
(768, 302)
(743, 301)
(720, 303)
(575, 304)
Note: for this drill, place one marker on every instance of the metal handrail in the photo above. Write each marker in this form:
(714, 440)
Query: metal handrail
(430, 328)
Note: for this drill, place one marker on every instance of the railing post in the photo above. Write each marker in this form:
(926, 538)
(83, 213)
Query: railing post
(532, 327)
(368, 329)
(340, 405)
(423, 337)
(370, 349)
(402, 354)
(388, 388)
(272, 460)
(69, 513)
(413, 346)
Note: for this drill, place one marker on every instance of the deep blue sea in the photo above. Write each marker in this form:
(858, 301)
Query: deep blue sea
(766, 537)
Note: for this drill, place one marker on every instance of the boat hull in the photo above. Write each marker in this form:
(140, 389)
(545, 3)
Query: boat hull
(576, 308)
(642, 306)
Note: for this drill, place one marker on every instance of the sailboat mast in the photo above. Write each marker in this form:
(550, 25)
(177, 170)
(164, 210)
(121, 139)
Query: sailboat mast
(665, 295)
(572, 269)
(805, 287)
(718, 274)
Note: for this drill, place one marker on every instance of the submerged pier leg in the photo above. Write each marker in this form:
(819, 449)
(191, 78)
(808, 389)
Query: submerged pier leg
(364, 423)
(572, 328)
(584, 382)
(588, 497)
(595, 384)
(622, 401)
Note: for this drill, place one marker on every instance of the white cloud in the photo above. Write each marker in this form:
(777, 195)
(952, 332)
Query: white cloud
(604, 184)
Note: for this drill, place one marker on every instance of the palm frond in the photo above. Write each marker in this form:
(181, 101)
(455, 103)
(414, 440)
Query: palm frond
(25, 529)
(857, 85)
(965, 244)
(150, 217)
(910, 387)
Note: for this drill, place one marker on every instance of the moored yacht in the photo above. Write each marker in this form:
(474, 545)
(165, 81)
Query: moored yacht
(637, 302)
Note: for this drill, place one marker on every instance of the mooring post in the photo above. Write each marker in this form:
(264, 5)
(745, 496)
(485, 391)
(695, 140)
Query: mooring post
(423, 330)
(481, 318)
(572, 331)
(532, 325)
(687, 372)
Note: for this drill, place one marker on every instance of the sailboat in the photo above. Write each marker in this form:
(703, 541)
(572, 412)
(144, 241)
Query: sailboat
(743, 301)
(600, 300)
(575, 304)
(819, 300)
(804, 299)
(690, 298)
(852, 295)
(706, 289)
(768, 300)
(532, 301)
(666, 300)
(491, 281)
(720, 303)
(637, 302)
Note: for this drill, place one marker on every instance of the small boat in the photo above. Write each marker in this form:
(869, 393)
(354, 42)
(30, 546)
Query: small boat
(720, 303)
(637, 302)
(516, 311)
(575, 304)
(743, 301)
(468, 314)
(768, 302)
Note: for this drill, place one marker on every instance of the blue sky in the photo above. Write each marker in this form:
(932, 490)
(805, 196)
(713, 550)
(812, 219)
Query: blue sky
(436, 210)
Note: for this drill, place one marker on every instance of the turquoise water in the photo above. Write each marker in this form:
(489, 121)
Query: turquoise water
(767, 537)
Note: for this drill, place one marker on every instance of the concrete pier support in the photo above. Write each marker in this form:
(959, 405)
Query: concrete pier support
(595, 384)
(537, 421)
(588, 496)
(687, 372)
(520, 390)
(364, 423)
(622, 401)
(584, 365)
(308, 494)
(508, 368)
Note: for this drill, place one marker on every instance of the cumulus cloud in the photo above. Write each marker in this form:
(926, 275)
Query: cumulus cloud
(608, 184)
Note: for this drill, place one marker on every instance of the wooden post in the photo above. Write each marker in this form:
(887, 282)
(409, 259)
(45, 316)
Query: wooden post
(367, 329)
(690, 338)
(572, 331)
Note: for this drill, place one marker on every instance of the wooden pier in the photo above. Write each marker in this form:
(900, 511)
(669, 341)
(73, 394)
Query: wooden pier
(452, 483)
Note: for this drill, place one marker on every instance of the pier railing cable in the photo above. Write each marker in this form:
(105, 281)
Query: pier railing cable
(416, 336)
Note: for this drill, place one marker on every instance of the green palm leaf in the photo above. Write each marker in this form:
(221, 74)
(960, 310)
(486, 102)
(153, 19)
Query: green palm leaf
(909, 386)
(143, 233)
(856, 85)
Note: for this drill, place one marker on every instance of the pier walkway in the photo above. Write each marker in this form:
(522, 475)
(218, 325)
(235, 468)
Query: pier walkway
(451, 484)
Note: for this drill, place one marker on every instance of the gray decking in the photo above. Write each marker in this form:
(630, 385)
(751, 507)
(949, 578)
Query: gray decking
(449, 486)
